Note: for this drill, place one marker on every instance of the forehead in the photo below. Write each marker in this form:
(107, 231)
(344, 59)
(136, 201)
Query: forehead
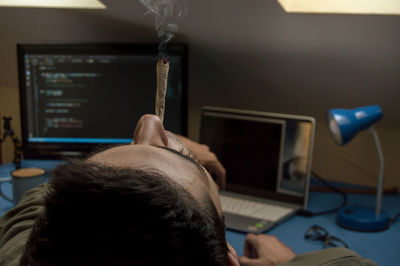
(172, 165)
(176, 167)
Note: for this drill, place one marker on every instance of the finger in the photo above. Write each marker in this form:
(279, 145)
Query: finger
(231, 250)
(245, 261)
(216, 169)
(232, 260)
(250, 244)
(220, 175)
(287, 247)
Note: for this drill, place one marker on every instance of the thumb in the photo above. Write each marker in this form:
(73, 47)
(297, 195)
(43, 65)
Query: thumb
(245, 261)
(218, 172)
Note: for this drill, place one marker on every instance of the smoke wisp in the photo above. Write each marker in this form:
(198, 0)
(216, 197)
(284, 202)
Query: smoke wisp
(166, 15)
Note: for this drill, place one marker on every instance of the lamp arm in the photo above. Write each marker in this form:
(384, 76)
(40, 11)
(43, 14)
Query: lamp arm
(379, 187)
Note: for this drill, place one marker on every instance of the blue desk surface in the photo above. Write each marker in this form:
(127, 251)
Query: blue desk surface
(382, 247)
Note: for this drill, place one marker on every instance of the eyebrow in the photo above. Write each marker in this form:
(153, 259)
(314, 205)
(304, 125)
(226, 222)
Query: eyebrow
(188, 158)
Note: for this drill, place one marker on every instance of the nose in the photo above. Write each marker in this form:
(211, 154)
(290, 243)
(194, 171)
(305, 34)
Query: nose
(150, 131)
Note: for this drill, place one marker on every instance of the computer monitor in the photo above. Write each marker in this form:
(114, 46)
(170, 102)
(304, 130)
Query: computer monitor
(76, 96)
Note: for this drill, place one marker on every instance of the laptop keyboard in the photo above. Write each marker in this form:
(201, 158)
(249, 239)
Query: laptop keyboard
(253, 209)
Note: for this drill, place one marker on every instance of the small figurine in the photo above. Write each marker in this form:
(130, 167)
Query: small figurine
(9, 132)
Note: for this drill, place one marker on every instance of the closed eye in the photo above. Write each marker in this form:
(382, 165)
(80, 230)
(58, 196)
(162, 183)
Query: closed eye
(187, 153)
(184, 153)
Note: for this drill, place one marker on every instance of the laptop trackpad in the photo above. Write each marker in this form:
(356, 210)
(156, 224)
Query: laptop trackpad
(246, 224)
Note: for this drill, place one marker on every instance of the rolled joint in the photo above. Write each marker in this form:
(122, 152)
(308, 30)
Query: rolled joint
(162, 79)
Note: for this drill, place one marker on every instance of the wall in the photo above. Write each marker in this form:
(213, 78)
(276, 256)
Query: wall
(250, 55)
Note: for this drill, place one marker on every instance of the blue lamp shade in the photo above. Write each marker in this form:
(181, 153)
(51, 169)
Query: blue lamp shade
(344, 124)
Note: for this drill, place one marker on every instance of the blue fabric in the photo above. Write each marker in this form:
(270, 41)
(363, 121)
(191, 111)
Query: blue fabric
(382, 247)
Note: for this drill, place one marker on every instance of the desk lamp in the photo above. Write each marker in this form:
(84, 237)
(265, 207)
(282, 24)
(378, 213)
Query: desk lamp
(344, 124)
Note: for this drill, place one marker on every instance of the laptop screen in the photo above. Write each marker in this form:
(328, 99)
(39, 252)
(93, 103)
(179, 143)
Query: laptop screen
(246, 148)
(265, 155)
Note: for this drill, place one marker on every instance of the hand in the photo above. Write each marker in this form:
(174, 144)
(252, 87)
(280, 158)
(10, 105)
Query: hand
(207, 159)
(264, 250)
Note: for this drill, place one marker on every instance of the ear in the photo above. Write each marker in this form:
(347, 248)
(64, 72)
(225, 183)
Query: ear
(232, 256)
(232, 260)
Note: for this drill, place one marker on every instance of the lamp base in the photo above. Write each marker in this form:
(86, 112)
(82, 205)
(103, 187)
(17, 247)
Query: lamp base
(362, 219)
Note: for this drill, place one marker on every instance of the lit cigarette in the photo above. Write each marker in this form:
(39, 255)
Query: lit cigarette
(162, 80)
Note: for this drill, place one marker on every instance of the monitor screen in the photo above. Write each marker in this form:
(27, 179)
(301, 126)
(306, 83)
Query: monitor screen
(76, 96)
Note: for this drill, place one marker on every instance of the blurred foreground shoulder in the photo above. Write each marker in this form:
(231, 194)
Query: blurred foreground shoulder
(16, 225)
(330, 257)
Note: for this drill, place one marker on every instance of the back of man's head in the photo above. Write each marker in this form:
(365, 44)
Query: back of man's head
(104, 215)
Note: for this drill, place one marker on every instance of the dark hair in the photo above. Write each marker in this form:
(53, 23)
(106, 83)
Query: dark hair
(105, 215)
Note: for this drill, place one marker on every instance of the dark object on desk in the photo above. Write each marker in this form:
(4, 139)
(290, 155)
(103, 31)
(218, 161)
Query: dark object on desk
(316, 232)
(9, 132)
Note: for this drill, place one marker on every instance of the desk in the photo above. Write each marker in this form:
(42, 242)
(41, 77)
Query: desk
(382, 247)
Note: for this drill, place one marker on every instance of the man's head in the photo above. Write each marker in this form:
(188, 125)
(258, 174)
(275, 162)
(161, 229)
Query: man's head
(141, 204)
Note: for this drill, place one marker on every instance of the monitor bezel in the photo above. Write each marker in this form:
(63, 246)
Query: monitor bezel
(56, 150)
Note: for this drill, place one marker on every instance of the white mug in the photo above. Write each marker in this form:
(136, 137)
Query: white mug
(22, 180)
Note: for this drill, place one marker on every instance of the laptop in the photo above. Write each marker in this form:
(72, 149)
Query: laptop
(267, 157)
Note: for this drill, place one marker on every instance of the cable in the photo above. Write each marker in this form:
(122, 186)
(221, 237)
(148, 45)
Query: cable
(394, 219)
(307, 213)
